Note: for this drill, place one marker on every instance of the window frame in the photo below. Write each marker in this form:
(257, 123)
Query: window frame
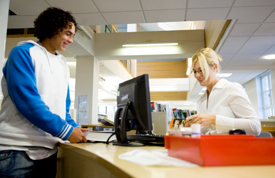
(270, 106)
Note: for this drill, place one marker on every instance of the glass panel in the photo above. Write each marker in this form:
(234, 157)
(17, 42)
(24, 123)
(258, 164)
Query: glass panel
(270, 96)
(270, 85)
(266, 99)
(102, 110)
(110, 108)
(265, 84)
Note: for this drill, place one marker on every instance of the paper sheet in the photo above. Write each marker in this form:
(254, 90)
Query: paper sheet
(158, 157)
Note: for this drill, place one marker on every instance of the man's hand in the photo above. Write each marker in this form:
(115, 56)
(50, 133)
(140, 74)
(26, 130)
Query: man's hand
(78, 136)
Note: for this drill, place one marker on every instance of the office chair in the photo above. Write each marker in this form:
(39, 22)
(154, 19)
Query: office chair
(265, 134)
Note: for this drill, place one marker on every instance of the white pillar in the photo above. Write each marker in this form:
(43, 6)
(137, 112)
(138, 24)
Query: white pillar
(4, 14)
(86, 83)
(133, 67)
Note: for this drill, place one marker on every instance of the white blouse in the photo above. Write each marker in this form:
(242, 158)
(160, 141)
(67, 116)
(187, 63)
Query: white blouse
(232, 107)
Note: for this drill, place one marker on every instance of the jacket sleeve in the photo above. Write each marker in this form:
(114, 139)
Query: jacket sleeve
(22, 89)
(68, 116)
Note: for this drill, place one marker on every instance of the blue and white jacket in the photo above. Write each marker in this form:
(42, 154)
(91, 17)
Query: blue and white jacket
(35, 108)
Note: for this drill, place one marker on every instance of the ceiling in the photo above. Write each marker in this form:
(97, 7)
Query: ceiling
(252, 36)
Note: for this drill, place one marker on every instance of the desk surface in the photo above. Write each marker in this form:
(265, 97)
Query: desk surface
(107, 157)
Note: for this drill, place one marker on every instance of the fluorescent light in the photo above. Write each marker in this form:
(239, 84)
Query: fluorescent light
(271, 56)
(224, 75)
(149, 44)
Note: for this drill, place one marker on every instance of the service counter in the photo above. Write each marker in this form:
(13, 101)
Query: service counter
(84, 160)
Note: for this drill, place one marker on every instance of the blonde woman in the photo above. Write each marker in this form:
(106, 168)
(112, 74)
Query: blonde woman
(224, 105)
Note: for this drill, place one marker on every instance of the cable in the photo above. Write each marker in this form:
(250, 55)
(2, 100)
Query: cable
(107, 142)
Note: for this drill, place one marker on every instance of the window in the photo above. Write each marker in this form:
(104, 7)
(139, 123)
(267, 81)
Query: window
(102, 110)
(108, 110)
(267, 100)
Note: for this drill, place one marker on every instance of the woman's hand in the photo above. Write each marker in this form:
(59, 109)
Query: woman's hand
(203, 119)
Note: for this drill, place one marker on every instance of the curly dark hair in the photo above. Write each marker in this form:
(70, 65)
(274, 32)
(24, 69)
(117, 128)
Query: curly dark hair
(51, 22)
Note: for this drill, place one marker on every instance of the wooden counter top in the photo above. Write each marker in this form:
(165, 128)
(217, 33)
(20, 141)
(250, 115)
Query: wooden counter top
(270, 129)
(101, 160)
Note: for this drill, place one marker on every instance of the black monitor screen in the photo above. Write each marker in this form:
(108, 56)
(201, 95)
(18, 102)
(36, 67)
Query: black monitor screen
(137, 92)
(134, 109)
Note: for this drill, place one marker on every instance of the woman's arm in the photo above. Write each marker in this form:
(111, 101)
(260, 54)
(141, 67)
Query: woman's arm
(246, 117)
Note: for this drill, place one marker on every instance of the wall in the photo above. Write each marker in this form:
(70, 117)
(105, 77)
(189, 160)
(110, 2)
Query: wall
(168, 96)
(12, 42)
(251, 90)
(272, 72)
(214, 30)
(163, 69)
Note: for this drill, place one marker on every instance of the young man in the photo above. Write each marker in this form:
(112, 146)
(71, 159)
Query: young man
(35, 110)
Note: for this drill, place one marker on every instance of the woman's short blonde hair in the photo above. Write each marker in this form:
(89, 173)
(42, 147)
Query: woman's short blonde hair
(206, 57)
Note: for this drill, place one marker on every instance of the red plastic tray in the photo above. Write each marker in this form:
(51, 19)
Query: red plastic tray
(222, 150)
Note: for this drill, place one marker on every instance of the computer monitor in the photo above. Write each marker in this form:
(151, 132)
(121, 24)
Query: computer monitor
(133, 109)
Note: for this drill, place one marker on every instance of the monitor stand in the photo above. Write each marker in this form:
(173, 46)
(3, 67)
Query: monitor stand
(120, 126)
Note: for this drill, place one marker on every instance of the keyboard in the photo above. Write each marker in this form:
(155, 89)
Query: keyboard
(147, 139)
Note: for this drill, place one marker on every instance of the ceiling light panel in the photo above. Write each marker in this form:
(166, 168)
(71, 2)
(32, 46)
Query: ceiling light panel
(271, 56)
(149, 44)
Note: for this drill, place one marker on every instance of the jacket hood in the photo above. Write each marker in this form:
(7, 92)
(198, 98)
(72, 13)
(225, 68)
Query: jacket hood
(38, 44)
(29, 41)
